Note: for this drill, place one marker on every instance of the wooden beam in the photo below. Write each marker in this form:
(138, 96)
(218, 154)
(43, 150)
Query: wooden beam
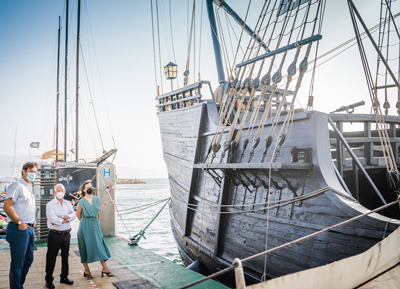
(368, 145)
(183, 89)
(282, 49)
(339, 149)
(179, 100)
(195, 171)
(355, 181)
(345, 117)
(221, 218)
(255, 166)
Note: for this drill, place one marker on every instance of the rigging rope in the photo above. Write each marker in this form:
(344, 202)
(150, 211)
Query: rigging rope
(240, 39)
(154, 48)
(201, 28)
(98, 71)
(172, 38)
(91, 99)
(223, 42)
(186, 80)
(389, 158)
(303, 68)
(159, 48)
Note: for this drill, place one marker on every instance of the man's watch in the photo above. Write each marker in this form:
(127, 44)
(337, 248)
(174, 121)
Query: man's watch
(19, 222)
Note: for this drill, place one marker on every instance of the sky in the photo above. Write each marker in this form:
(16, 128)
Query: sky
(117, 74)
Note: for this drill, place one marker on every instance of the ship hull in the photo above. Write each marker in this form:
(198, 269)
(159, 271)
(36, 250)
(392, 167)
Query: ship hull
(223, 214)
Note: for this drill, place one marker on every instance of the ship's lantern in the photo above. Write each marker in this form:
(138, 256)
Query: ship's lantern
(171, 70)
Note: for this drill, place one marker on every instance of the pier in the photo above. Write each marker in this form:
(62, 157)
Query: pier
(133, 265)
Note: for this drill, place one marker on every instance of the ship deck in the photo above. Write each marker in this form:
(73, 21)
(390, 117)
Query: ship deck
(127, 263)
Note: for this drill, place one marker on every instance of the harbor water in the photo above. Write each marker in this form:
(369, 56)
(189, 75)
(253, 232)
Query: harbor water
(132, 201)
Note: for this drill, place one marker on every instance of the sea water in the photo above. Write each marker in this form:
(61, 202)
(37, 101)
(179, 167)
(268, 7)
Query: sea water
(132, 201)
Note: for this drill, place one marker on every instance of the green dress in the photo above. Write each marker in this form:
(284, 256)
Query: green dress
(92, 246)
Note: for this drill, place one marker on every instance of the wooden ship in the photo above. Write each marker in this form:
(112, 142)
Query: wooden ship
(249, 172)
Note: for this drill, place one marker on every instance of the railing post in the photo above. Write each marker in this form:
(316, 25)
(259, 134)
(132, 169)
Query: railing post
(393, 144)
(344, 142)
(355, 180)
(339, 148)
(368, 146)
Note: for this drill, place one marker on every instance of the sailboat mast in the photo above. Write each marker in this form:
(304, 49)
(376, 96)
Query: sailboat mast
(77, 80)
(66, 82)
(15, 155)
(58, 85)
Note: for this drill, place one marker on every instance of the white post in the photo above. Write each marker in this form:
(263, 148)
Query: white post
(106, 177)
(239, 276)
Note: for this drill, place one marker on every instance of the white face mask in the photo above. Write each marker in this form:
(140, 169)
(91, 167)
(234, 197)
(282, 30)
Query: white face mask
(31, 176)
(60, 195)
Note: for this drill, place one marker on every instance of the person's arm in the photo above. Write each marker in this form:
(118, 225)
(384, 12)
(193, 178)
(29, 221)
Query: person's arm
(79, 212)
(10, 211)
(71, 213)
(8, 208)
(52, 217)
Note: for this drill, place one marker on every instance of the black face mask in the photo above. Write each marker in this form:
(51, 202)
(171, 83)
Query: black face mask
(89, 191)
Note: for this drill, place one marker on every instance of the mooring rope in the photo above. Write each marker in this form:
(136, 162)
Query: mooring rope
(289, 244)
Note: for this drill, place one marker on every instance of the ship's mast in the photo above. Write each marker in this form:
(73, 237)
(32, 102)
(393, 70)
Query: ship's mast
(217, 48)
(58, 85)
(66, 83)
(15, 155)
(77, 80)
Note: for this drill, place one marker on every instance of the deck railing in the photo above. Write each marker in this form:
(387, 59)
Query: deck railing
(367, 140)
(360, 147)
(183, 97)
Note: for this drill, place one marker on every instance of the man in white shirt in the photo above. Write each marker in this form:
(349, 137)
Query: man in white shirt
(59, 214)
(20, 208)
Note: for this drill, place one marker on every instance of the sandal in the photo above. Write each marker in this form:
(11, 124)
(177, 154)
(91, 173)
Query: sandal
(109, 274)
(88, 275)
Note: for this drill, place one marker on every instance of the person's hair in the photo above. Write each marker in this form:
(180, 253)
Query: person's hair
(55, 187)
(82, 187)
(28, 166)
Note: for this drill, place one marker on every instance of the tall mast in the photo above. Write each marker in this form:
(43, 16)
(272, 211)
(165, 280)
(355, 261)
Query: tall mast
(58, 85)
(77, 80)
(66, 82)
(217, 49)
(15, 155)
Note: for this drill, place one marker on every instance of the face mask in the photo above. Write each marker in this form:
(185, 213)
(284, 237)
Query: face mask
(89, 191)
(31, 177)
(60, 195)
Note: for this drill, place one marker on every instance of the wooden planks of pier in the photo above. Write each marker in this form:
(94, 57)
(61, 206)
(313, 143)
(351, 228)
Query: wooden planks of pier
(36, 274)
(127, 263)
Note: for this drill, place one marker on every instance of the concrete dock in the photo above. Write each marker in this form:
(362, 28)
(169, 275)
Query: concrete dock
(127, 263)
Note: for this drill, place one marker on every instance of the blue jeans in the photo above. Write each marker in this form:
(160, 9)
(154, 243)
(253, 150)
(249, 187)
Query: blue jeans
(21, 249)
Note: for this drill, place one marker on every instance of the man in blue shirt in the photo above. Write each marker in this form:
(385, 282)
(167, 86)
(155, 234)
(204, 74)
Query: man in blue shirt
(20, 208)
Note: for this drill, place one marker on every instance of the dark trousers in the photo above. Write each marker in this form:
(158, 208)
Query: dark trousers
(55, 242)
(22, 244)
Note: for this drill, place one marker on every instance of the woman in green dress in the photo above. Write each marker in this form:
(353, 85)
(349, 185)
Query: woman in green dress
(92, 246)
